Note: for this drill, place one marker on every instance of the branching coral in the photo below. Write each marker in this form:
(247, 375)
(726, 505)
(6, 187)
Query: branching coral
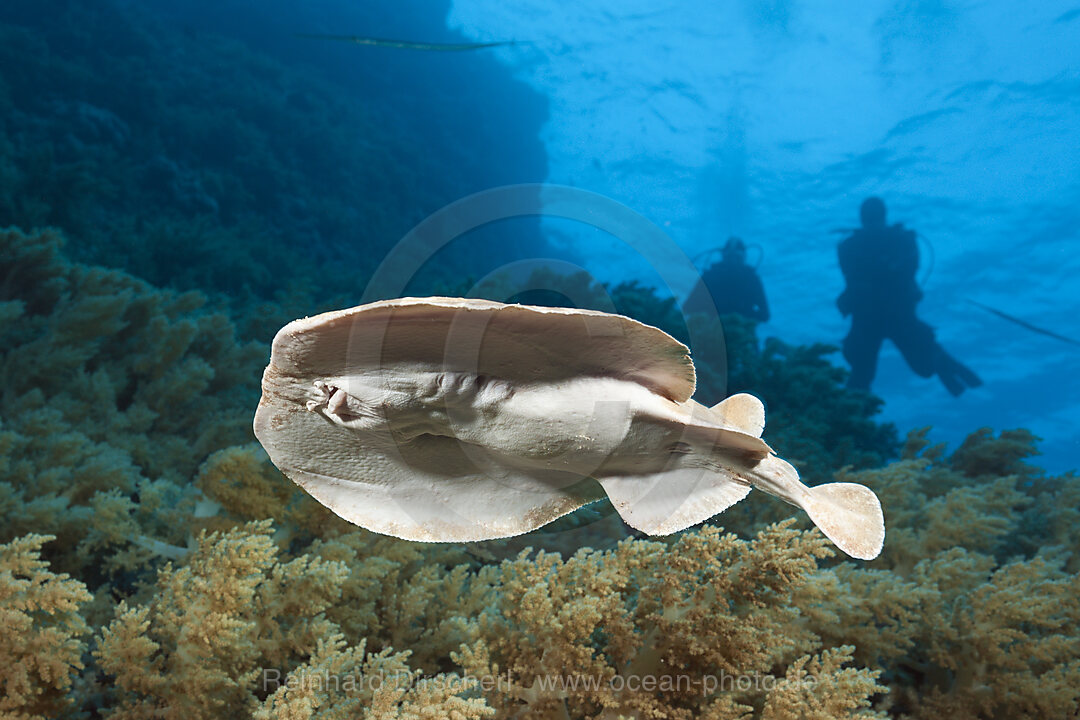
(406, 595)
(995, 642)
(349, 682)
(695, 628)
(983, 454)
(113, 394)
(836, 691)
(967, 626)
(40, 647)
(199, 648)
(240, 484)
(554, 638)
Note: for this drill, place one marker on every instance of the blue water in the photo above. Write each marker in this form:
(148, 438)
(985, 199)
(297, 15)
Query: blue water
(774, 120)
(768, 121)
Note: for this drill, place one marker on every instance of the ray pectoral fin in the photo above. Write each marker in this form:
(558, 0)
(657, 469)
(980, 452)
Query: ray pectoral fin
(672, 500)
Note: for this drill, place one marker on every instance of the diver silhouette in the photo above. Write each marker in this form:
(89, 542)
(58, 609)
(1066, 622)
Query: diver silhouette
(879, 263)
(733, 286)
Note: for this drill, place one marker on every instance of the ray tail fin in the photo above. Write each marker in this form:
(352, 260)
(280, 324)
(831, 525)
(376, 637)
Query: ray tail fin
(847, 513)
(850, 515)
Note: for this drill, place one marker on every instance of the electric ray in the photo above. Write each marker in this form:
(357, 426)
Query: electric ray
(452, 419)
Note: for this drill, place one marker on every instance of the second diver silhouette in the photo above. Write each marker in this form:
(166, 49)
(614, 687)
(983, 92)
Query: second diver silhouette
(879, 263)
(733, 285)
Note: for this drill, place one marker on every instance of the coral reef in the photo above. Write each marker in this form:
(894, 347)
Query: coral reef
(41, 647)
(688, 629)
(113, 395)
(976, 626)
(695, 628)
(200, 583)
(198, 648)
(195, 161)
(342, 682)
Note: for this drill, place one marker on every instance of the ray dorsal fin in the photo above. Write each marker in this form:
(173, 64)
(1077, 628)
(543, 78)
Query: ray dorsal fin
(743, 412)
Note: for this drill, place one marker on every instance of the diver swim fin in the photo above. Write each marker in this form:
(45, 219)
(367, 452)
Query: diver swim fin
(955, 376)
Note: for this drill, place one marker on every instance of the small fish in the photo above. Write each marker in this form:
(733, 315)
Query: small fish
(1024, 323)
(459, 420)
(408, 44)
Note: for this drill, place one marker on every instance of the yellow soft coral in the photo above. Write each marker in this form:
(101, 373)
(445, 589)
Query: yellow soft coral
(694, 628)
(215, 625)
(40, 649)
(406, 595)
(244, 482)
(820, 688)
(341, 682)
(996, 642)
(246, 486)
(967, 626)
(114, 393)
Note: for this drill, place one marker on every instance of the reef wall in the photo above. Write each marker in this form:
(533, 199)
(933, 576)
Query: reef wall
(206, 146)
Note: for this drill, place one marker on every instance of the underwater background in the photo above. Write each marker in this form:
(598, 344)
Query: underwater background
(178, 181)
